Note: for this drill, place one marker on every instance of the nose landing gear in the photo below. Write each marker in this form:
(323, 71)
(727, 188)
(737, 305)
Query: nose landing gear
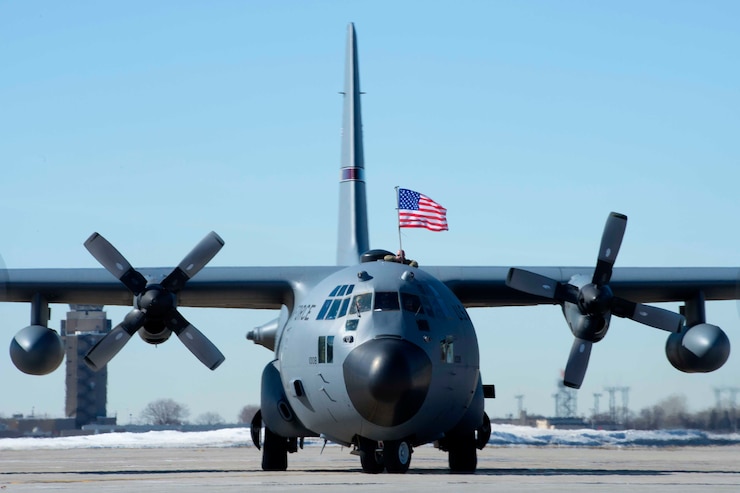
(397, 456)
(392, 455)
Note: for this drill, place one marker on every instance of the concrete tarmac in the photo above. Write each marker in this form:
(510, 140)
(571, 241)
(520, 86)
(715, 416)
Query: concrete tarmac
(521, 469)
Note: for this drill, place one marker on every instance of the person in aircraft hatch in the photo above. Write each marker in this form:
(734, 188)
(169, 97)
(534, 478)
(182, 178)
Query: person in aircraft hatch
(400, 257)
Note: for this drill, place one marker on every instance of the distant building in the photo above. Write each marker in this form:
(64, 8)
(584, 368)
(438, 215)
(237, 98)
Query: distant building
(86, 396)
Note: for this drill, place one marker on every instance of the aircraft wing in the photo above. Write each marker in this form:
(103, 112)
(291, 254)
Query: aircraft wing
(486, 286)
(216, 287)
(271, 287)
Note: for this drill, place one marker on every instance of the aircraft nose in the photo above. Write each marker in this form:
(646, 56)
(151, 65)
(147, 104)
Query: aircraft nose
(387, 380)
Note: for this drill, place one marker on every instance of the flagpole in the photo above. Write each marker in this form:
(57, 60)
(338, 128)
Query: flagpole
(398, 214)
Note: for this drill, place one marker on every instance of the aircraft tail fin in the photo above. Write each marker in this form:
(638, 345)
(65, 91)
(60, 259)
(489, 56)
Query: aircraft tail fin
(353, 237)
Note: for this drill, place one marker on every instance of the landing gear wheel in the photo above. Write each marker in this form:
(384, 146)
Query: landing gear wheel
(370, 458)
(397, 456)
(463, 457)
(274, 452)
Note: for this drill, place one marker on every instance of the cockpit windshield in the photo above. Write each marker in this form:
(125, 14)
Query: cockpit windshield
(386, 301)
(411, 303)
(361, 303)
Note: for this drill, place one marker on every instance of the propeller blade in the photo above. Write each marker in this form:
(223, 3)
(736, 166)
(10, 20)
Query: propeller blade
(652, 316)
(107, 347)
(539, 285)
(575, 369)
(611, 241)
(194, 261)
(115, 263)
(529, 282)
(195, 341)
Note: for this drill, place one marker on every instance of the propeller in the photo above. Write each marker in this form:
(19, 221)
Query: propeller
(155, 305)
(593, 302)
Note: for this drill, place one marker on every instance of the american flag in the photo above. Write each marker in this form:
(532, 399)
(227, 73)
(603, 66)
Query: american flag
(416, 210)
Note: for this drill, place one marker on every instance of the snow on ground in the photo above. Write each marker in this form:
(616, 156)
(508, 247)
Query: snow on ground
(521, 435)
(501, 435)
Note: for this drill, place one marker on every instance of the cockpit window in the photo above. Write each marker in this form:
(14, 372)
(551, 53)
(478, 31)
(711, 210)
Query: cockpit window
(411, 303)
(427, 306)
(343, 310)
(361, 303)
(386, 300)
(324, 308)
(439, 305)
(335, 306)
(332, 313)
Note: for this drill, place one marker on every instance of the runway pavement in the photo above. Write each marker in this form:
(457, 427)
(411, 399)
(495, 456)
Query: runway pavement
(521, 469)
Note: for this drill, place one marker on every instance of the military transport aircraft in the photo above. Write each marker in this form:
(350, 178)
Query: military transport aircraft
(376, 355)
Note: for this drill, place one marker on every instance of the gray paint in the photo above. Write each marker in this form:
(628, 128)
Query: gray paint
(352, 236)
(699, 349)
(276, 412)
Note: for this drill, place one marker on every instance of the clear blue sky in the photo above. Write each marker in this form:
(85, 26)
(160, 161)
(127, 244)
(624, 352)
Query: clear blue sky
(156, 122)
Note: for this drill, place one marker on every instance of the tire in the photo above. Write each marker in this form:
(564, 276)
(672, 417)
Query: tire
(397, 456)
(463, 456)
(370, 458)
(274, 452)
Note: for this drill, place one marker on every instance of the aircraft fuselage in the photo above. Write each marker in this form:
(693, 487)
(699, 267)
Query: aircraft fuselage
(381, 350)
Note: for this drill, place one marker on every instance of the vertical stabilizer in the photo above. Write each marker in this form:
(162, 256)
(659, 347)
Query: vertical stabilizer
(353, 232)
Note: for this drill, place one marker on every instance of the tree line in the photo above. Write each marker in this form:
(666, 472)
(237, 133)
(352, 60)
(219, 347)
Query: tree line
(168, 412)
(670, 413)
(673, 413)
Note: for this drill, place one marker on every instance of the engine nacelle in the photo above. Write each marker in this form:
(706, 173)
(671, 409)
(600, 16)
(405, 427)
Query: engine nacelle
(37, 350)
(699, 349)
